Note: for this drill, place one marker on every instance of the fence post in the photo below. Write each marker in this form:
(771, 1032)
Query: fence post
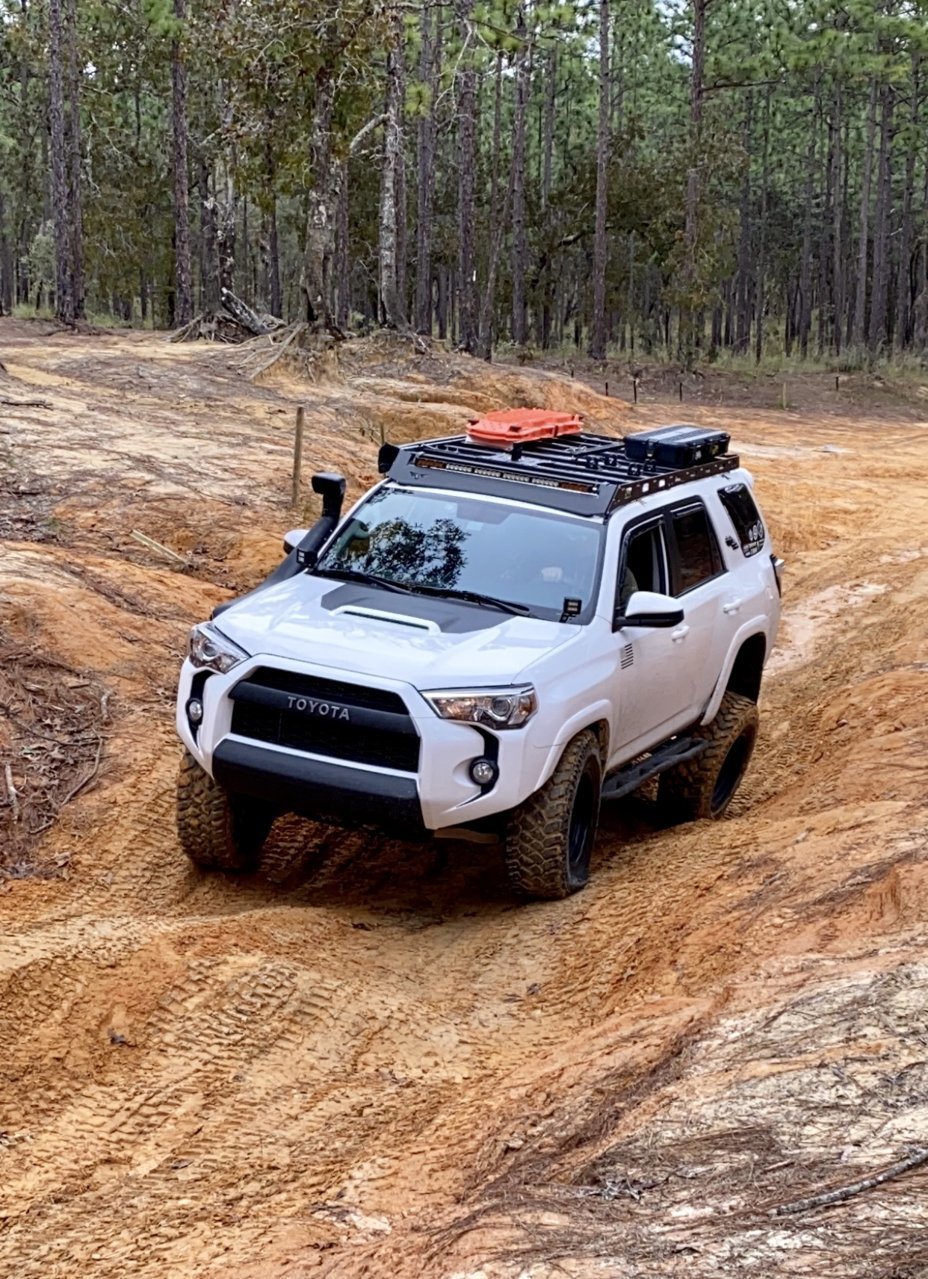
(297, 456)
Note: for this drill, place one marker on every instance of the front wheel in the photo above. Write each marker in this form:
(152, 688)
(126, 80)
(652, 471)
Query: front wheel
(550, 837)
(705, 785)
(218, 831)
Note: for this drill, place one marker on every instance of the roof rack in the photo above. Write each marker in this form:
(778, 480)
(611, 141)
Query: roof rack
(582, 473)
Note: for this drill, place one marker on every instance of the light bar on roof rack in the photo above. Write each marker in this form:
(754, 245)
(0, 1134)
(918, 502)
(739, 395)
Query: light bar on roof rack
(488, 472)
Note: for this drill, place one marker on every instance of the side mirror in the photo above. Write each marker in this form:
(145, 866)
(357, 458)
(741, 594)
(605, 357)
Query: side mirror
(649, 609)
(293, 539)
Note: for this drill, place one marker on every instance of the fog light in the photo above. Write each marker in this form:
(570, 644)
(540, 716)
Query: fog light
(484, 772)
(194, 710)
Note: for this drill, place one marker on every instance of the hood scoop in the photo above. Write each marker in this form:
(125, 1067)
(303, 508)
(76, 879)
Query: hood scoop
(394, 619)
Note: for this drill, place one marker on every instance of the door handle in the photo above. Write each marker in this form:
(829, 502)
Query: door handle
(733, 606)
(679, 634)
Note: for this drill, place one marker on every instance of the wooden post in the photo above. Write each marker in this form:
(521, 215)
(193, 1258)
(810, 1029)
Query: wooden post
(680, 390)
(607, 390)
(297, 456)
(837, 382)
(634, 390)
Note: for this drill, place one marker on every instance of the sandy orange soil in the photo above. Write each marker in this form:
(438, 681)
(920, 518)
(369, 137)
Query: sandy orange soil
(385, 1066)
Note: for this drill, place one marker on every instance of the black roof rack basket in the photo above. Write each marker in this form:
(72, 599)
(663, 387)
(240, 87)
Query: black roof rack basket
(585, 474)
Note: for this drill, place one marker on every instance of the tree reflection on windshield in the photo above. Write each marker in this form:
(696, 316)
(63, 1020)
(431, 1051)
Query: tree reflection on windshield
(407, 552)
(458, 542)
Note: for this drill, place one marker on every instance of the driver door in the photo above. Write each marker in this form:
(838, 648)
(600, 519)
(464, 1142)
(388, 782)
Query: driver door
(653, 682)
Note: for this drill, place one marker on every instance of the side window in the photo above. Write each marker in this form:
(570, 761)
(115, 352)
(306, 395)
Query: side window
(745, 517)
(644, 563)
(698, 555)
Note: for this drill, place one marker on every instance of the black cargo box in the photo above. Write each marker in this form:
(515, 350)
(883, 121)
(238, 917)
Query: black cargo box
(676, 446)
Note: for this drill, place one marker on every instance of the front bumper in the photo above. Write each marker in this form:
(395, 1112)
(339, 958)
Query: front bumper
(325, 790)
(440, 794)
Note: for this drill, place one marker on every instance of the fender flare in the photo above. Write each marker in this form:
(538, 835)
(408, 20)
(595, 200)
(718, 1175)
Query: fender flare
(756, 626)
(590, 715)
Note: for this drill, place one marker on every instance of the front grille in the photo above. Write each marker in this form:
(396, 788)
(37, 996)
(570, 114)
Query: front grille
(328, 690)
(374, 729)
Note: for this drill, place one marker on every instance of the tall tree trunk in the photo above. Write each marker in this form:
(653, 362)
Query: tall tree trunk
(761, 266)
(342, 259)
(805, 263)
(519, 243)
(209, 257)
(275, 297)
(183, 277)
(321, 206)
(61, 204)
(904, 266)
(598, 325)
(856, 336)
(392, 311)
(6, 263)
(547, 139)
(227, 206)
(920, 304)
(742, 298)
(498, 218)
(881, 252)
(74, 157)
(429, 65)
(837, 223)
(467, 163)
(687, 337)
(402, 228)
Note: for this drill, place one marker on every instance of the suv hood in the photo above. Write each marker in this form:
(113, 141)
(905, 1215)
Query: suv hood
(425, 641)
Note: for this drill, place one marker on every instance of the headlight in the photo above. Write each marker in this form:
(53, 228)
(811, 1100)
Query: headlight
(494, 707)
(209, 649)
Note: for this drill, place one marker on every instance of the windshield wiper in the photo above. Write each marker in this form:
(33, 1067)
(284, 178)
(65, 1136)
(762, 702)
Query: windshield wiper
(368, 579)
(473, 597)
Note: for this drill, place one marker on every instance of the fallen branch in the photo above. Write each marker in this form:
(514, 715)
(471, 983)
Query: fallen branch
(839, 1195)
(82, 785)
(27, 404)
(249, 319)
(296, 332)
(182, 334)
(157, 546)
(11, 790)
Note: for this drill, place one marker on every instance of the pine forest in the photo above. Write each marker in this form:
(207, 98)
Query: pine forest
(666, 179)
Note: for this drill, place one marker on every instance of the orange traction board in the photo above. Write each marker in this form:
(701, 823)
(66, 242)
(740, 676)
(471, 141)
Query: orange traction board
(518, 426)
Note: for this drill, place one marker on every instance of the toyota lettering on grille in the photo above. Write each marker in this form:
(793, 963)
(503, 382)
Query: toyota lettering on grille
(309, 706)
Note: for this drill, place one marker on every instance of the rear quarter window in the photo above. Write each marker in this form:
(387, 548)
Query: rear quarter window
(698, 555)
(745, 517)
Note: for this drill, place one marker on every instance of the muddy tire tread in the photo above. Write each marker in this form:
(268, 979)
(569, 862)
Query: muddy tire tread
(211, 832)
(535, 859)
(685, 792)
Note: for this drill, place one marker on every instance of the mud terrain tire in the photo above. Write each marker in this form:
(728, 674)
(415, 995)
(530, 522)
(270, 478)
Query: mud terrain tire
(218, 831)
(550, 837)
(705, 785)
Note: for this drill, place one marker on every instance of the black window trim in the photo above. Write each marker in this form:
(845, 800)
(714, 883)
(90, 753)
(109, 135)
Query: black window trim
(750, 549)
(633, 527)
(673, 552)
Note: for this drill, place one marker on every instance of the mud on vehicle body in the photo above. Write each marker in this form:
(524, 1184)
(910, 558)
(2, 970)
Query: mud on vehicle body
(512, 627)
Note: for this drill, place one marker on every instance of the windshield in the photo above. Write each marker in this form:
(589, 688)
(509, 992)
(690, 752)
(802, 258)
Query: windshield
(459, 544)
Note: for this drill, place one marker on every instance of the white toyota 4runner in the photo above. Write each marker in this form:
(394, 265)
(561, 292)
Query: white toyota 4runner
(510, 628)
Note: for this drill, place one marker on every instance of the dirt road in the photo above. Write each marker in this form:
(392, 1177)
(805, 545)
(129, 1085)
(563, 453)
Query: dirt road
(391, 1068)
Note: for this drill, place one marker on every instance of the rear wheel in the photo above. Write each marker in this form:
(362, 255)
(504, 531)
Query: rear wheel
(705, 785)
(218, 831)
(550, 837)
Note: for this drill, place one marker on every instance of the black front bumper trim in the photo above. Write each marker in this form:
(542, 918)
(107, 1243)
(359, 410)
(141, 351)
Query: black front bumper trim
(326, 792)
